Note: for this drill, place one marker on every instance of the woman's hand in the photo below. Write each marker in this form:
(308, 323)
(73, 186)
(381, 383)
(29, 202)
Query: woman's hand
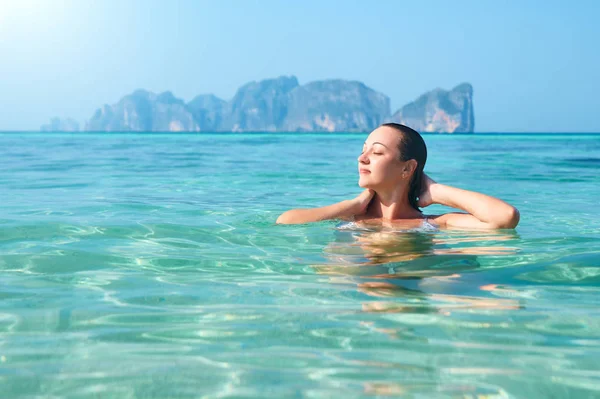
(425, 197)
(361, 203)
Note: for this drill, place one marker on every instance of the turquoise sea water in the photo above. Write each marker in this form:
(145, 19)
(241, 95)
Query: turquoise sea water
(150, 266)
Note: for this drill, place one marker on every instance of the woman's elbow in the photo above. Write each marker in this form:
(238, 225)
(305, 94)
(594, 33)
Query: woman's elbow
(510, 218)
(284, 218)
(292, 216)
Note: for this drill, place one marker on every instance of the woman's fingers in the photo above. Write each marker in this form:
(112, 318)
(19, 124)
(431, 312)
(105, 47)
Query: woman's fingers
(363, 200)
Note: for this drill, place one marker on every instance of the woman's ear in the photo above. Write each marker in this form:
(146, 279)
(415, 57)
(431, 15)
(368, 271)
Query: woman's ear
(408, 169)
(410, 166)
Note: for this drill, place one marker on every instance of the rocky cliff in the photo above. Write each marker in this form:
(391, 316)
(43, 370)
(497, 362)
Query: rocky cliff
(259, 106)
(270, 105)
(333, 106)
(282, 104)
(208, 111)
(144, 111)
(440, 111)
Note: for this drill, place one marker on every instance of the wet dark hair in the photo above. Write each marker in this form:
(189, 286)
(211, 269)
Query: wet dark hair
(411, 146)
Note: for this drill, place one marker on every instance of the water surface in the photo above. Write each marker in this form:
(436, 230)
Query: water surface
(149, 266)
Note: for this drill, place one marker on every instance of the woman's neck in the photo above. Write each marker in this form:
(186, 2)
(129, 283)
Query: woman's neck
(392, 206)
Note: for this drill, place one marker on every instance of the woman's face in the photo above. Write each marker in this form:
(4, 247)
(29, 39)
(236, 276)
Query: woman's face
(379, 164)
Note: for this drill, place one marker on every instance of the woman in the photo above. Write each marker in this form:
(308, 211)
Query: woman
(391, 170)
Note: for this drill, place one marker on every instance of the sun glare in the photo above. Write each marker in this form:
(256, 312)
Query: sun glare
(17, 12)
(22, 21)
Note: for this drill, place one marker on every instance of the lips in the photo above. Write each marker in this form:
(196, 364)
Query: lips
(364, 171)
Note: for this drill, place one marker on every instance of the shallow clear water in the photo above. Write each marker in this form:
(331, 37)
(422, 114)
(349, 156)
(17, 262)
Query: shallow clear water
(149, 266)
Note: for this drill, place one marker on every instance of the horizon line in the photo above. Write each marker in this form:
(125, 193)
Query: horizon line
(323, 132)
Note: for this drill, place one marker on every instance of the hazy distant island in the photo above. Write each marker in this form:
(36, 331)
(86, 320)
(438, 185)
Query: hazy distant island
(282, 104)
(61, 125)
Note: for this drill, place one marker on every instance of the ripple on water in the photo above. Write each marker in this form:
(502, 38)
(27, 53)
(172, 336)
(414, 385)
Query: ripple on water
(160, 254)
(583, 269)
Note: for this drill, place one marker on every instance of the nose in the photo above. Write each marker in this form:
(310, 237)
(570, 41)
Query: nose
(363, 158)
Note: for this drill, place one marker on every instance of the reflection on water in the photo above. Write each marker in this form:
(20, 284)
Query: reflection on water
(424, 268)
(412, 253)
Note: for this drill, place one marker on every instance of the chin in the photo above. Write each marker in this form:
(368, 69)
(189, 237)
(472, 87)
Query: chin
(364, 183)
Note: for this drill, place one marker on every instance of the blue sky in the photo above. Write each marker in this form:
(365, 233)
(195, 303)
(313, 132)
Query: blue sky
(534, 65)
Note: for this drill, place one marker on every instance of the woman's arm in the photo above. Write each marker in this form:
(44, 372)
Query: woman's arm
(344, 209)
(484, 211)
